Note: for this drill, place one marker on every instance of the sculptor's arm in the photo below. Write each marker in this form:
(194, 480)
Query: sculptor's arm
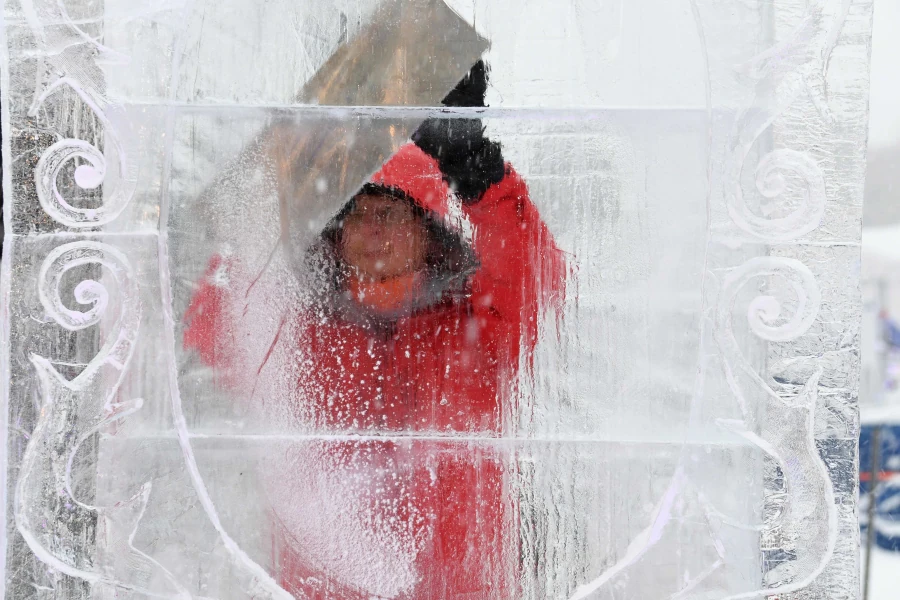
(522, 270)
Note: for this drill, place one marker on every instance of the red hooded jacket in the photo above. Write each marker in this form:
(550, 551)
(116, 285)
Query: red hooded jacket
(412, 477)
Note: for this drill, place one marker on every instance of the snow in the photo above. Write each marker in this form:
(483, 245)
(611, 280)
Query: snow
(884, 583)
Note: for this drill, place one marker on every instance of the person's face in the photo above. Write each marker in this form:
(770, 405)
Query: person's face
(383, 237)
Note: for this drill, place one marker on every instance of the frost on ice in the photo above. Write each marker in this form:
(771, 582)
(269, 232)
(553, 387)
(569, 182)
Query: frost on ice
(431, 299)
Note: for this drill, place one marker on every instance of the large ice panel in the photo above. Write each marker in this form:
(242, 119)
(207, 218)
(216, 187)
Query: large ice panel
(626, 365)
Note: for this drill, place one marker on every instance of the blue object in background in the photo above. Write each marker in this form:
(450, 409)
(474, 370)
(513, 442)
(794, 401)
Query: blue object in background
(891, 332)
(887, 507)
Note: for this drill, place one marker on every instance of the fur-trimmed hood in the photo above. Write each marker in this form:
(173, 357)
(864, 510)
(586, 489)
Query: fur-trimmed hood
(413, 176)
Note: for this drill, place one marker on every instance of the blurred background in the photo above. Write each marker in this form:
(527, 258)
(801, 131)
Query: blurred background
(880, 377)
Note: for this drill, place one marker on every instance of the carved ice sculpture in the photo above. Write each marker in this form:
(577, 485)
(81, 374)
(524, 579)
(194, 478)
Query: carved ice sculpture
(685, 424)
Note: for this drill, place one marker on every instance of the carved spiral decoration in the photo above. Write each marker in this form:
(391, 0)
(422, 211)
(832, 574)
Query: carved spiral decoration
(764, 311)
(87, 292)
(87, 176)
(771, 183)
(763, 314)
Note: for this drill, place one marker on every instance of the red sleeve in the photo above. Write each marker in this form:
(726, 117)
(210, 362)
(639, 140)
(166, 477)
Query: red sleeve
(210, 326)
(522, 270)
(203, 317)
(236, 323)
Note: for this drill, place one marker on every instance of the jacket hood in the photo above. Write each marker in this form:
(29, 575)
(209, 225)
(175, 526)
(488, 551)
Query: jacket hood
(409, 175)
(418, 177)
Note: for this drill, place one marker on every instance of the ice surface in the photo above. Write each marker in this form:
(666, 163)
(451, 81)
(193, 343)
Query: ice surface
(642, 386)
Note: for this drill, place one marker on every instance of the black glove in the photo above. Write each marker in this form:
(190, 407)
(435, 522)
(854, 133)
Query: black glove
(470, 162)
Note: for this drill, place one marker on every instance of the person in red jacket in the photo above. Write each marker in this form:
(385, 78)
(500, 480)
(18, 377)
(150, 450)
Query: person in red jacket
(428, 291)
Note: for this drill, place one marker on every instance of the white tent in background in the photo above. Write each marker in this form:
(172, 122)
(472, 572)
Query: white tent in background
(881, 292)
